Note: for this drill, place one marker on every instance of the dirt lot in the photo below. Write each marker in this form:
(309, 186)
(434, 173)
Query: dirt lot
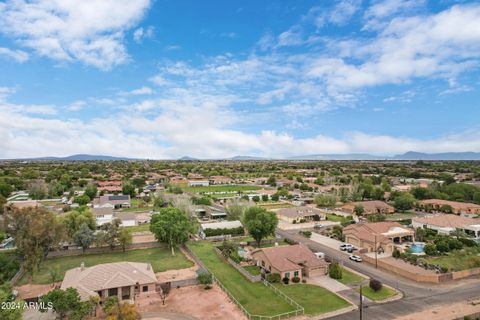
(447, 312)
(192, 302)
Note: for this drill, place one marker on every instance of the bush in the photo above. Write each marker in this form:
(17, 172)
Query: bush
(206, 279)
(396, 253)
(375, 285)
(307, 234)
(467, 242)
(335, 271)
(443, 269)
(273, 277)
(442, 246)
(296, 279)
(454, 244)
(224, 231)
(285, 280)
(430, 249)
(304, 281)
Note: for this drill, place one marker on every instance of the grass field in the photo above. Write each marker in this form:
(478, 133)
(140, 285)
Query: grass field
(400, 216)
(335, 218)
(139, 228)
(314, 299)
(349, 277)
(381, 294)
(253, 270)
(255, 297)
(456, 260)
(228, 188)
(160, 258)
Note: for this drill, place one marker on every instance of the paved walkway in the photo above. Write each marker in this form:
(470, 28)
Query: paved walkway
(328, 283)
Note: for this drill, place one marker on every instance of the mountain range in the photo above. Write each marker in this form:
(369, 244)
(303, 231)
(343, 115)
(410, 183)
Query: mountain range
(411, 155)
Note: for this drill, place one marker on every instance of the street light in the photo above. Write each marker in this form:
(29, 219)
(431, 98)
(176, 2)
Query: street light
(360, 307)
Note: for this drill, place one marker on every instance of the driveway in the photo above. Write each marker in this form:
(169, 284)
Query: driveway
(326, 241)
(328, 283)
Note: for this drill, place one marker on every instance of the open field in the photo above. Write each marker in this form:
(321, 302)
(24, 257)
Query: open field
(255, 297)
(457, 260)
(314, 299)
(349, 277)
(160, 258)
(139, 228)
(379, 295)
(228, 188)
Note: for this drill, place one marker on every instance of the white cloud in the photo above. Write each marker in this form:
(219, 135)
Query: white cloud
(140, 34)
(76, 105)
(17, 55)
(138, 92)
(377, 15)
(88, 31)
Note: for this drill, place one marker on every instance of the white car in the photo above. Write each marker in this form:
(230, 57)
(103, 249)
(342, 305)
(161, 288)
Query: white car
(355, 258)
(346, 246)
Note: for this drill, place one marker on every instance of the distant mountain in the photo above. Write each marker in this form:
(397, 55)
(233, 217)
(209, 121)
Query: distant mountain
(246, 158)
(348, 156)
(187, 158)
(80, 157)
(412, 155)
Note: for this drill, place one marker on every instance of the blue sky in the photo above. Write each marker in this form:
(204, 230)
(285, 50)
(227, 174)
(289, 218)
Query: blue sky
(212, 79)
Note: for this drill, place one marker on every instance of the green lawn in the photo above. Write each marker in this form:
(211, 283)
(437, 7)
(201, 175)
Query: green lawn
(253, 270)
(160, 258)
(228, 188)
(335, 218)
(255, 297)
(381, 294)
(313, 298)
(349, 277)
(456, 260)
(400, 216)
(139, 228)
(274, 205)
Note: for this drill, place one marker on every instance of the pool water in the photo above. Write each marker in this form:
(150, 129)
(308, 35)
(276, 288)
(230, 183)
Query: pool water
(417, 247)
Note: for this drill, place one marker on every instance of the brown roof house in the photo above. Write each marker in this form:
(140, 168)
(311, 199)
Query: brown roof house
(290, 261)
(125, 280)
(112, 201)
(110, 185)
(380, 235)
(448, 223)
(297, 214)
(371, 207)
(460, 208)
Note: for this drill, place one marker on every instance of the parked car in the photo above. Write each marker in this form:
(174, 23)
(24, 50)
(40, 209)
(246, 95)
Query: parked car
(346, 246)
(317, 226)
(355, 258)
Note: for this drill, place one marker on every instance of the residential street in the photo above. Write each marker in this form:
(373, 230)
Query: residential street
(417, 296)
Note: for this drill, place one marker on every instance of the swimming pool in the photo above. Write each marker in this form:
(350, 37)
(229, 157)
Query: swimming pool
(417, 247)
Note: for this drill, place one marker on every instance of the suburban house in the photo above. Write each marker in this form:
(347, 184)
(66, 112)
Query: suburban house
(213, 212)
(370, 207)
(460, 208)
(103, 215)
(290, 261)
(447, 223)
(383, 235)
(128, 218)
(110, 185)
(220, 180)
(300, 214)
(125, 280)
(198, 183)
(112, 201)
(226, 225)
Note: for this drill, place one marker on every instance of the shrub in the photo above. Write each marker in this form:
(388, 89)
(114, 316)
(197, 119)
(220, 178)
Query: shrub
(285, 280)
(316, 217)
(304, 281)
(224, 231)
(442, 246)
(307, 234)
(375, 285)
(334, 271)
(467, 242)
(396, 253)
(443, 269)
(296, 279)
(430, 249)
(205, 278)
(273, 277)
(454, 244)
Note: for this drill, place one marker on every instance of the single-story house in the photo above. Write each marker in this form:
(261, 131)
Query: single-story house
(213, 212)
(460, 208)
(220, 180)
(128, 219)
(448, 223)
(290, 261)
(300, 213)
(125, 280)
(370, 207)
(110, 185)
(112, 201)
(380, 235)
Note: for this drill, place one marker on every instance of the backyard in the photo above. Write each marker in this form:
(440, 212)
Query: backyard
(160, 258)
(139, 228)
(457, 260)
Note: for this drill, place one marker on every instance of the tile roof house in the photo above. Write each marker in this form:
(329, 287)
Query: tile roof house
(380, 235)
(371, 207)
(447, 223)
(110, 185)
(463, 208)
(112, 201)
(125, 280)
(290, 261)
(298, 213)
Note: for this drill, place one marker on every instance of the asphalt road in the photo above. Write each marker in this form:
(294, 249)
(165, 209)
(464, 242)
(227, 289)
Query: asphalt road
(417, 296)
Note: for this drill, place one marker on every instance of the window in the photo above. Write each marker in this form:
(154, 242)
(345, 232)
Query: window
(295, 274)
(263, 263)
(113, 292)
(287, 275)
(145, 288)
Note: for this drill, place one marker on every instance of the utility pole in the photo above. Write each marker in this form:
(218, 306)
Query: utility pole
(376, 263)
(361, 302)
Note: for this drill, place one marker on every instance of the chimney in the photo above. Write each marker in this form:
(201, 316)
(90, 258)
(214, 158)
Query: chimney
(82, 266)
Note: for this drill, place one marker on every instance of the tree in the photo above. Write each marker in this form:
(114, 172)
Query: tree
(260, 223)
(405, 201)
(91, 191)
(116, 310)
(128, 189)
(100, 238)
(359, 209)
(235, 209)
(124, 238)
(8, 313)
(82, 200)
(325, 200)
(84, 237)
(375, 285)
(205, 278)
(112, 230)
(272, 181)
(335, 271)
(158, 201)
(202, 201)
(74, 219)
(5, 189)
(172, 226)
(35, 231)
(66, 304)
(166, 286)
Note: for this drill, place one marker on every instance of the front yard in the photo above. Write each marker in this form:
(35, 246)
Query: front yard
(379, 295)
(160, 258)
(350, 278)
